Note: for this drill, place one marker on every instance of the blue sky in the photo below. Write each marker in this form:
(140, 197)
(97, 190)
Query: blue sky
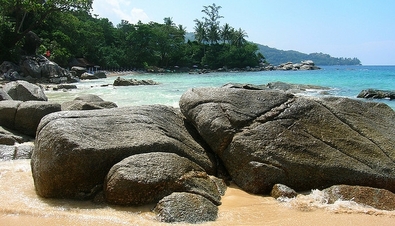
(341, 28)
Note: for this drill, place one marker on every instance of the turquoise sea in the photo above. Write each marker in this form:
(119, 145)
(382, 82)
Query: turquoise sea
(346, 81)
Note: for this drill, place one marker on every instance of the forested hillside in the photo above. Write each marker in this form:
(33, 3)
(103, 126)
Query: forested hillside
(276, 57)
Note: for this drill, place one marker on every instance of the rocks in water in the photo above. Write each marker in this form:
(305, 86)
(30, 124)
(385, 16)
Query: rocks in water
(78, 70)
(185, 207)
(304, 65)
(64, 87)
(24, 117)
(24, 91)
(286, 87)
(88, 76)
(76, 149)
(281, 190)
(374, 197)
(146, 178)
(265, 137)
(376, 94)
(87, 102)
(132, 82)
(100, 74)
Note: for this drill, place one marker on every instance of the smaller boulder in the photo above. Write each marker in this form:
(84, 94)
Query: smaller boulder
(30, 113)
(132, 82)
(185, 207)
(24, 91)
(88, 76)
(78, 70)
(146, 178)
(87, 102)
(100, 74)
(378, 198)
(280, 190)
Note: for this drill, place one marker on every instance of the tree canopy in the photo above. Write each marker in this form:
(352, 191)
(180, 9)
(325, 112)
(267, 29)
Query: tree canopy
(68, 30)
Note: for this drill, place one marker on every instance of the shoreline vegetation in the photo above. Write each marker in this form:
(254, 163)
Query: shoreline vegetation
(103, 45)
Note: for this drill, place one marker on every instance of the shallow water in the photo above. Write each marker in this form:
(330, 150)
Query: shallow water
(345, 81)
(21, 206)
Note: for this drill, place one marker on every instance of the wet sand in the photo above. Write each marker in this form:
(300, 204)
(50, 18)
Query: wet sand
(20, 205)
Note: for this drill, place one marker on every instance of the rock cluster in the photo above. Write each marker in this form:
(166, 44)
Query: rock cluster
(304, 65)
(262, 137)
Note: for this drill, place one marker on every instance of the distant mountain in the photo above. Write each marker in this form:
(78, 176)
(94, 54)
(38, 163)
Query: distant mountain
(275, 56)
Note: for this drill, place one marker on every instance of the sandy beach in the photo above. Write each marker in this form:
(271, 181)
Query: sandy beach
(21, 206)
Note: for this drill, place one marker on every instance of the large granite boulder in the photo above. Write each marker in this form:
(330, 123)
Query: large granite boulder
(87, 102)
(75, 150)
(24, 117)
(269, 137)
(147, 178)
(185, 207)
(24, 91)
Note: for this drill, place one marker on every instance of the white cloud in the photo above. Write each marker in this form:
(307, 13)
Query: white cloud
(117, 10)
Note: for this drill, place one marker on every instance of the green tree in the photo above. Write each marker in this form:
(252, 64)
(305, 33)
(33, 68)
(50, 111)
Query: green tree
(26, 15)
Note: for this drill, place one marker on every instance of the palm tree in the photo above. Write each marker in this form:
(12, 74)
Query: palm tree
(200, 32)
(226, 33)
(169, 21)
(239, 37)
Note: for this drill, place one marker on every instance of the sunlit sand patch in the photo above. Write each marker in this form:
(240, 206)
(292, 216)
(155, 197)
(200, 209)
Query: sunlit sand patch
(21, 206)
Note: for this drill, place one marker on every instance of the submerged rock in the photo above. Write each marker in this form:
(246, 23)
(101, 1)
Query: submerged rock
(266, 137)
(374, 197)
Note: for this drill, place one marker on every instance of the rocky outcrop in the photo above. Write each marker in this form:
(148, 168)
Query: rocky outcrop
(266, 137)
(185, 207)
(39, 67)
(147, 178)
(376, 94)
(133, 82)
(75, 150)
(87, 102)
(304, 65)
(24, 117)
(374, 197)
